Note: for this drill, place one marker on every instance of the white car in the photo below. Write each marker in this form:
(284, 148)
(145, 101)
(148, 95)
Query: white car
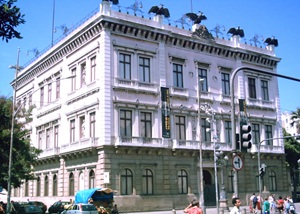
(82, 209)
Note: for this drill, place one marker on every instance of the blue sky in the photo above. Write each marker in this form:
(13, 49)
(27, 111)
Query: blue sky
(256, 17)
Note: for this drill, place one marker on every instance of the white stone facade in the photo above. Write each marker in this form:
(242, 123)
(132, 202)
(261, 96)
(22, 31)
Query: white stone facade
(98, 116)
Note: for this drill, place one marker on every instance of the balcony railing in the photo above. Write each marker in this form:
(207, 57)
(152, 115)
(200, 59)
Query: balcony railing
(141, 141)
(79, 145)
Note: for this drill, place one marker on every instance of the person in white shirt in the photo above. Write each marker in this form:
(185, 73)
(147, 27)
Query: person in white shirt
(236, 203)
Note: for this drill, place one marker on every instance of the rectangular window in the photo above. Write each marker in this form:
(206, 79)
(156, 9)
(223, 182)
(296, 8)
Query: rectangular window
(72, 131)
(82, 74)
(49, 93)
(73, 80)
(269, 135)
(252, 88)
(92, 124)
(180, 127)
(55, 136)
(206, 135)
(57, 93)
(227, 132)
(82, 127)
(40, 139)
(125, 123)
(203, 75)
(146, 124)
(264, 90)
(177, 75)
(144, 69)
(93, 69)
(125, 66)
(48, 138)
(255, 134)
(42, 97)
(225, 83)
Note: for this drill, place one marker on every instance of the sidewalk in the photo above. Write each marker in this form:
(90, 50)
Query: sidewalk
(208, 211)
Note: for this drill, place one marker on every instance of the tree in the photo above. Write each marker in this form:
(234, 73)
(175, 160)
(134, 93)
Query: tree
(10, 18)
(295, 117)
(292, 155)
(24, 155)
(292, 150)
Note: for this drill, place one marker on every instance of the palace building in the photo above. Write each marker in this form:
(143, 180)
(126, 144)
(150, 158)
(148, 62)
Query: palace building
(117, 105)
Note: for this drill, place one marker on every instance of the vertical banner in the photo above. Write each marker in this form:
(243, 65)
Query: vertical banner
(165, 111)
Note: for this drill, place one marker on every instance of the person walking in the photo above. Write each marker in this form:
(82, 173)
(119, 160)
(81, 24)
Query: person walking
(266, 206)
(236, 206)
(193, 208)
(253, 203)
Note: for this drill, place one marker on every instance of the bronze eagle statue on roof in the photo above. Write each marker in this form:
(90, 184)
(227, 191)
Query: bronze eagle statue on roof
(236, 32)
(160, 10)
(271, 41)
(196, 18)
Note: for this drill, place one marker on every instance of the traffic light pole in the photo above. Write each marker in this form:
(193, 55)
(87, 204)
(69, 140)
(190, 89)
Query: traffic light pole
(259, 160)
(233, 122)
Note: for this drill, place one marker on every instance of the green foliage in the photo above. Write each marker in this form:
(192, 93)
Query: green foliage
(295, 118)
(10, 18)
(24, 154)
(292, 151)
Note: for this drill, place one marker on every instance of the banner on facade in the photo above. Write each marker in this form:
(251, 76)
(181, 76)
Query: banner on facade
(165, 111)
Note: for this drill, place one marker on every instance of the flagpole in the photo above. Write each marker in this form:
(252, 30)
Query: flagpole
(53, 14)
(191, 6)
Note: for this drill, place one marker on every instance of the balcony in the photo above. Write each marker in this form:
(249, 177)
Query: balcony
(50, 152)
(135, 86)
(192, 144)
(182, 93)
(79, 145)
(141, 142)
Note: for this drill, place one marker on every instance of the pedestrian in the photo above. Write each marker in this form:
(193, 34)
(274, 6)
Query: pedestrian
(193, 208)
(271, 200)
(236, 206)
(253, 203)
(266, 206)
(280, 204)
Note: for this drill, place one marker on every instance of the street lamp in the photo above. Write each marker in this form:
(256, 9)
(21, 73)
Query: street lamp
(14, 112)
(17, 68)
(201, 186)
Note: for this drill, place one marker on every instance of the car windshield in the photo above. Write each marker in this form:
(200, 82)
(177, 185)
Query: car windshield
(88, 207)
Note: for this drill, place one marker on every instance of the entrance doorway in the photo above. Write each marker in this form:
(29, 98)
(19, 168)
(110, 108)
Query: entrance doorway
(209, 189)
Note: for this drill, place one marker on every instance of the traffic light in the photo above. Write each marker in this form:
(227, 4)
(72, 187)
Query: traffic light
(245, 137)
(262, 170)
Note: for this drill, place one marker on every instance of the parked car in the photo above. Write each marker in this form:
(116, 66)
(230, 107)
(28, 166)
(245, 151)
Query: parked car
(83, 209)
(30, 209)
(39, 204)
(59, 206)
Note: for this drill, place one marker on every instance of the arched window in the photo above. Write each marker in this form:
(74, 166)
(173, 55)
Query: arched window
(38, 186)
(81, 181)
(54, 186)
(71, 184)
(126, 182)
(92, 179)
(46, 186)
(272, 181)
(182, 182)
(147, 182)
